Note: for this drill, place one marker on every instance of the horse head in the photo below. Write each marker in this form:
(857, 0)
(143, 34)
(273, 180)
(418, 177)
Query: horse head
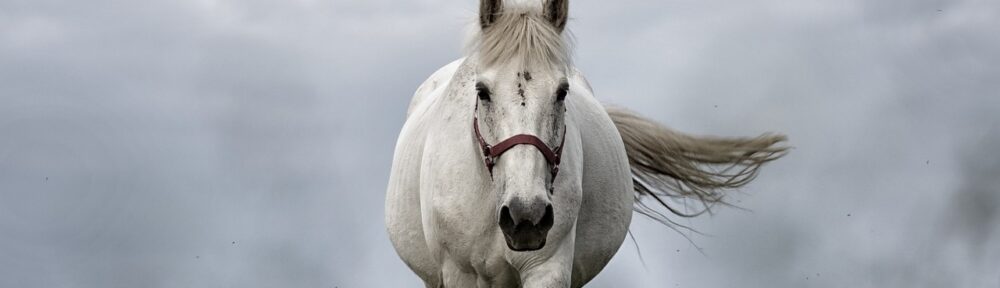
(521, 65)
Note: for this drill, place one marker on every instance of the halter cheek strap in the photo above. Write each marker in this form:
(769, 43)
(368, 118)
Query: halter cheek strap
(492, 152)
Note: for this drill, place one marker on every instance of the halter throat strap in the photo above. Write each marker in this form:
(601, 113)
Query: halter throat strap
(492, 152)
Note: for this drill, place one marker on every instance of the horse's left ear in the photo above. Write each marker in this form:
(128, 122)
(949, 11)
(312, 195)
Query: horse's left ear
(557, 11)
(489, 11)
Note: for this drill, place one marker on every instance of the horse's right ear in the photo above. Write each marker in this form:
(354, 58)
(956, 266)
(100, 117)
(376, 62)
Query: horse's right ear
(489, 11)
(557, 11)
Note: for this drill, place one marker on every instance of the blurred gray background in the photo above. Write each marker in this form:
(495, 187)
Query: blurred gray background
(224, 143)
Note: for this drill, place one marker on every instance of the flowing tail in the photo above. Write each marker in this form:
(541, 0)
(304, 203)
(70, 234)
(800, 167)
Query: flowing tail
(669, 167)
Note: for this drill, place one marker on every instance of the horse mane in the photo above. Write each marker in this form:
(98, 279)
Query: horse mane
(670, 165)
(520, 36)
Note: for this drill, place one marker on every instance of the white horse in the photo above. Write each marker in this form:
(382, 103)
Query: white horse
(508, 172)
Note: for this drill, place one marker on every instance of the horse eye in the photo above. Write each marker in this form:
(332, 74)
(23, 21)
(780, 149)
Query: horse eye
(483, 91)
(562, 91)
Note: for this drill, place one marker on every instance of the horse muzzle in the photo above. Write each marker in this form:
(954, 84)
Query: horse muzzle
(524, 228)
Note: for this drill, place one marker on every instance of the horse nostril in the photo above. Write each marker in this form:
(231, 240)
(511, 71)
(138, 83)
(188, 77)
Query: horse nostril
(547, 220)
(506, 221)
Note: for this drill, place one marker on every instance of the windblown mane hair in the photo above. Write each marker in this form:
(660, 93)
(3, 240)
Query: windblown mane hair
(520, 36)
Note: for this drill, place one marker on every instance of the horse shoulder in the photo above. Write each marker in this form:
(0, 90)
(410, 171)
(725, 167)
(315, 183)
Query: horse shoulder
(403, 204)
(434, 85)
(606, 207)
(591, 116)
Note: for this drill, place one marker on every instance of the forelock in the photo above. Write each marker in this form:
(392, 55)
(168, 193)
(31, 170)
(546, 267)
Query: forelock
(520, 37)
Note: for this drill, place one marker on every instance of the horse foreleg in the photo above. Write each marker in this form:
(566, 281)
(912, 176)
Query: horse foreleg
(548, 275)
(453, 276)
(556, 272)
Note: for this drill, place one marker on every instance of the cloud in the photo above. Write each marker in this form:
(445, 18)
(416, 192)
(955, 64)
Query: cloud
(977, 215)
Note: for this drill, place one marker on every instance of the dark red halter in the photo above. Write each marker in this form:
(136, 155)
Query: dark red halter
(492, 152)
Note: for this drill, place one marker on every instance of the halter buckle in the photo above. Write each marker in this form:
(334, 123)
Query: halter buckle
(489, 163)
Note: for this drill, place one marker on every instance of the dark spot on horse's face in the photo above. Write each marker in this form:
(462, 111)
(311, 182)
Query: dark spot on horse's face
(520, 91)
(527, 76)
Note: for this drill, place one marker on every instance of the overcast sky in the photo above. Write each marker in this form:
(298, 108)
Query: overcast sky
(224, 143)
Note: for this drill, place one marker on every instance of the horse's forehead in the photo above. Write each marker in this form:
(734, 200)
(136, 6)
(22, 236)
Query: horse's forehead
(518, 73)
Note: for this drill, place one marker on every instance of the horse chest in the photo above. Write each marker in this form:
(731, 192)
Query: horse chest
(466, 234)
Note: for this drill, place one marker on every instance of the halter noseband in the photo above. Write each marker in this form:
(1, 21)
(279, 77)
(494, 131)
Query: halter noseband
(492, 152)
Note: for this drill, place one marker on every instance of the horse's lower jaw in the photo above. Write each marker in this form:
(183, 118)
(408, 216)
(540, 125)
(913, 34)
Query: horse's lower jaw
(524, 245)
